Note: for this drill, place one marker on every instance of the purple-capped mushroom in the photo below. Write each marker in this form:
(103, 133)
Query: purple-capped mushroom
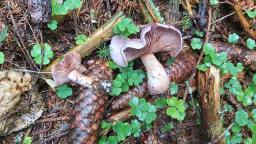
(70, 69)
(153, 38)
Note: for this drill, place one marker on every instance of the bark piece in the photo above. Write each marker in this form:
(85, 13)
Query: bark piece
(209, 100)
(90, 105)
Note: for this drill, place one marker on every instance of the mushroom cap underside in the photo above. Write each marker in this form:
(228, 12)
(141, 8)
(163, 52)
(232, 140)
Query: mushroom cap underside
(153, 38)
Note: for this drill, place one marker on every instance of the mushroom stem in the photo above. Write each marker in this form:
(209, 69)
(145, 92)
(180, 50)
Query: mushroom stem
(78, 78)
(158, 81)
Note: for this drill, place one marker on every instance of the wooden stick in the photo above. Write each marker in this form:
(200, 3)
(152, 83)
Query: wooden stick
(245, 24)
(149, 12)
(209, 100)
(103, 34)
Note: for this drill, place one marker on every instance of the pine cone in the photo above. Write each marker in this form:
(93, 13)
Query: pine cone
(90, 105)
(122, 101)
(183, 67)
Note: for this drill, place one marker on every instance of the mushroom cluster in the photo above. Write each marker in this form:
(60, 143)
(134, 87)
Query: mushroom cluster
(153, 38)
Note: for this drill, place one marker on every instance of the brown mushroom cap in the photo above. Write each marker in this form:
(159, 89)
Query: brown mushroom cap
(153, 38)
(70, 62)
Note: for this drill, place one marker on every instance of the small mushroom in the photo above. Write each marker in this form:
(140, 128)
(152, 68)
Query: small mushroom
(70, 69)
(153, 38)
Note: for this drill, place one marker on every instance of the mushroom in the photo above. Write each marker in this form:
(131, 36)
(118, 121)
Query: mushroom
(153, 38)
(70, 69)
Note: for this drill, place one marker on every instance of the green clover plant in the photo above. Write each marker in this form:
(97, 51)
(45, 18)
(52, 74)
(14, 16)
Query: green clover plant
(53, 24)
(126, 78)
(64, 91)
(144, 111)
(176, 109)
(81, 39)
(126, 27)
(42, 57)
(62, 9)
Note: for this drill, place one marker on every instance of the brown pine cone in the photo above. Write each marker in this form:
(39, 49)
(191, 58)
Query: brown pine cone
(183, 67)
(122, 101)
(90, 105)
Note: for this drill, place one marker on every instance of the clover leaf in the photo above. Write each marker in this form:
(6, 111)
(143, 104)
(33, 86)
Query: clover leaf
(53, 24)
(196, 43)
(64, 91)
(128, 77)
(233, 38)
(214, 2)
(1, 57)
(36, 53)
(251, 13)
(254, 115)
(81, 39)
(72, 4)
(126, 27)
(176, 108)
(173, 88)
(241, 117)
(143, 110)
(27, 140)
(3, 34)
(250, 43)
(122, 130)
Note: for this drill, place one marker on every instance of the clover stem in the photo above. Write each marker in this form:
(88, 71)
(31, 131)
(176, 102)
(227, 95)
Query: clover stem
(158, 81)
(78, 78)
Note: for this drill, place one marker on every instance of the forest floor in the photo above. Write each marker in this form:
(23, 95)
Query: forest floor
(216, 89)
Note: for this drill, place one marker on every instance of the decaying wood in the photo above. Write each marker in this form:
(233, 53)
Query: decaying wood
(236, 54)
(245, 24)
(148, 11)
(182, 68)
(103, 34)
(90, 105)
(209, 100)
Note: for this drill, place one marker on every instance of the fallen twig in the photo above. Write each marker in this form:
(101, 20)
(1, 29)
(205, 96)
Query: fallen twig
(101, 35)
(245, 24)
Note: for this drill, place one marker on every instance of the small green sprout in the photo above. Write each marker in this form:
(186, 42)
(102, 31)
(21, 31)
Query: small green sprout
(250, 43)
(233, 38)
(104, 52)
(196, 43)
(64, 91)
(27, 140)
(53, 24)
(173, 88)
(36, 53)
